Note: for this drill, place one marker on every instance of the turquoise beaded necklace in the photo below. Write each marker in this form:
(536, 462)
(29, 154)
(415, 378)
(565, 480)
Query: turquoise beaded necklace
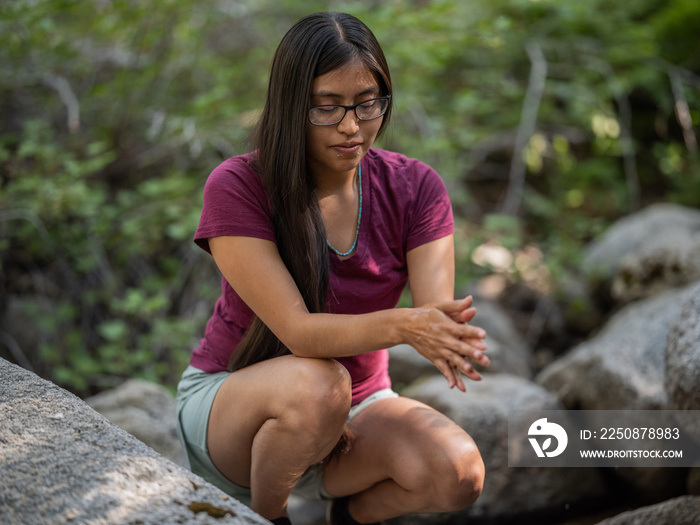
(359, 217)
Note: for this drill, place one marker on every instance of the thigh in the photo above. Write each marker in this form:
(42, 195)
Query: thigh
(196, 392)
(267, 390)
(403, 440)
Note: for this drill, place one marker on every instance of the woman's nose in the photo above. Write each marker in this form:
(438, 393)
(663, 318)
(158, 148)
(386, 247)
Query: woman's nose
(349, 125)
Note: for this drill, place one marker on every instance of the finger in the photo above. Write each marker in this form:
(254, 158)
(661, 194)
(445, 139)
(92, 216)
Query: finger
(459, 382)
(446, 370)
(451, 343)
(468, 370)
(464, 345)
(471, 350)
(453, 307)
(482, 359)
(462, 366)
(455, 378)
(476, 354)
(468, 331)
(475, 344)
(463, 316)
(479, 356)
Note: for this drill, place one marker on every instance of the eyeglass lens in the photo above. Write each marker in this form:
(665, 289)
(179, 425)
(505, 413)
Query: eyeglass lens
(330, 114)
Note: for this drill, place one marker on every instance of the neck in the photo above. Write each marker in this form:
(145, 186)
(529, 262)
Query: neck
(337, 182)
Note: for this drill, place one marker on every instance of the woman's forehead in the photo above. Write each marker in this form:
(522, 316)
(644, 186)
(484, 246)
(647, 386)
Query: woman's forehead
(349, 80)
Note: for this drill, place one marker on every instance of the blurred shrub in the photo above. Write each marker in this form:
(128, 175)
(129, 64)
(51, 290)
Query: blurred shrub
(114, 112)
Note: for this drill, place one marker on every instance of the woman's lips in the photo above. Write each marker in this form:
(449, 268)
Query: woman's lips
(347, 149)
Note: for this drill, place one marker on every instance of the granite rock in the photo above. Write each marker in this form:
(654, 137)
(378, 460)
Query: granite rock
(62, 462)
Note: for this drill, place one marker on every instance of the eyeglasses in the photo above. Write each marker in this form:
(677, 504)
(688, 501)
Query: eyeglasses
(332, 114)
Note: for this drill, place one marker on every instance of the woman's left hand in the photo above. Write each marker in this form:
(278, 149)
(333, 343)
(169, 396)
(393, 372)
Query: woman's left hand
(441, 333)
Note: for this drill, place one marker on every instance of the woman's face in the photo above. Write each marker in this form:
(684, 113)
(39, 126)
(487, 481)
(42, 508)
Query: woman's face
(338, 149)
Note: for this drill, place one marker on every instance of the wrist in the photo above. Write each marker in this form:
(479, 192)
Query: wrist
(404, 328)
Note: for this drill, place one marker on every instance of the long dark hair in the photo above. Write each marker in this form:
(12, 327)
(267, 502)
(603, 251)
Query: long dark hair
(315, 45)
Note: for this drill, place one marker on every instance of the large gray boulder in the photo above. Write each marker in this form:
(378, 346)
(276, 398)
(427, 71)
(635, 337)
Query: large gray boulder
(683, 374)
(622, 367)
(684, 510)
(406, 365)
(146, 411)
(508, 492)
(62, 462)
(693, 482)
(682, 360)
(647, 252)
(507, 348)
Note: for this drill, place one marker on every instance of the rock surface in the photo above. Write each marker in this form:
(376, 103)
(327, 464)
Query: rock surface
(62, 462)
(682, 359)
(693, 482)
(684, 510)
(146, 411)
(506, 345)
(623, 366)
(647, 252)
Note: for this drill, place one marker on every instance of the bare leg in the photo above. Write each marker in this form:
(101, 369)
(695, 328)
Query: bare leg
(269, 422)
(407, 458)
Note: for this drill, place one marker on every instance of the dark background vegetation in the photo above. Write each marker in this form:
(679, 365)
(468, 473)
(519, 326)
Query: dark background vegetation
(548, 120)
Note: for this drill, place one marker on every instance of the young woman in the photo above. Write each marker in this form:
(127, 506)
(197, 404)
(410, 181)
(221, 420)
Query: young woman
(316, 234)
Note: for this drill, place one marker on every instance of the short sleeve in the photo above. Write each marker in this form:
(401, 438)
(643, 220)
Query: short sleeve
(235, 203)
(430, 217)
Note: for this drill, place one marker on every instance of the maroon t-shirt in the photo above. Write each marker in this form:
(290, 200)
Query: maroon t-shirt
(404, 204)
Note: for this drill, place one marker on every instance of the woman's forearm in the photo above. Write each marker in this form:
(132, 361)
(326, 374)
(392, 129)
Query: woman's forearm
(337, 335)
(439, 331)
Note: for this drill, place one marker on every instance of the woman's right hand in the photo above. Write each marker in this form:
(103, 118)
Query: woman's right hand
(441, 333)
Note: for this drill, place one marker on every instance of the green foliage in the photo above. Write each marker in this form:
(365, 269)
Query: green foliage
(608, 137)
(113, 113)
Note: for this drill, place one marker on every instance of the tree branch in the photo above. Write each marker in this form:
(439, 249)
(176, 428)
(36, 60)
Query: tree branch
(528, 121)
(629, 159)
(682, 109)
(68, 98)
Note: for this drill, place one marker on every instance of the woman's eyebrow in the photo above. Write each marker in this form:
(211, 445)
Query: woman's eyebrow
(330, 94)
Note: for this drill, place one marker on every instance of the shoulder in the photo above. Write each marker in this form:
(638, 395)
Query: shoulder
(235, 170)
(400, 172)
(235, 183)
(236, 176)
(235, 202)
(390, 160)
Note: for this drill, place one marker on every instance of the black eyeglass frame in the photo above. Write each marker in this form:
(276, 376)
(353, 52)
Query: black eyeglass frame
(354, 109)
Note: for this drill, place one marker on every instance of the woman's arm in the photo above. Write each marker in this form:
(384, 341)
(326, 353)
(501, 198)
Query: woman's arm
(431, 274)
(255, 270)
(431, 271)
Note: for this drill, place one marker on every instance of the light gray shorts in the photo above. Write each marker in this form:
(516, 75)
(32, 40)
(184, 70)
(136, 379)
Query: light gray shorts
(195, 395)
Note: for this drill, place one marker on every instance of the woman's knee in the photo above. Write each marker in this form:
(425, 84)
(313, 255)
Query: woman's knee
(322, 393)
(459, 478)
(448, 480)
